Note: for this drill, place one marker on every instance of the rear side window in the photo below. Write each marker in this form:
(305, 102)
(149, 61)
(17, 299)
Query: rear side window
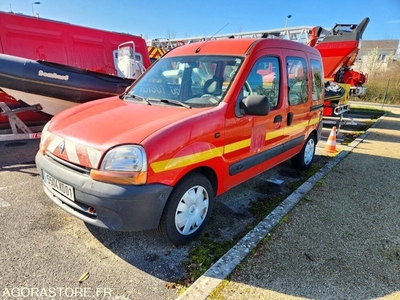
(317, 76)
(297, 80)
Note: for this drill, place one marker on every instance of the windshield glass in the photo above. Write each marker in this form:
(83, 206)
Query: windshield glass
(198, 81)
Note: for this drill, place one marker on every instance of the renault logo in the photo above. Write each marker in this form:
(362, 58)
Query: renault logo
(61, 147)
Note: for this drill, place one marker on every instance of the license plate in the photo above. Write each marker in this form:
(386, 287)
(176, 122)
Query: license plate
(61, 187)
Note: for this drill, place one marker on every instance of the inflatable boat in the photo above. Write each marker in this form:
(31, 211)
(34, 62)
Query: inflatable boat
(55, 86)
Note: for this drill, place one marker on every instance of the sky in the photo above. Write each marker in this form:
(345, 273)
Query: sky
(189, 18)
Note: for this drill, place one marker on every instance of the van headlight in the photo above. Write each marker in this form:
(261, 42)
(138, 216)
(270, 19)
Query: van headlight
(123, 165)
(43, 138)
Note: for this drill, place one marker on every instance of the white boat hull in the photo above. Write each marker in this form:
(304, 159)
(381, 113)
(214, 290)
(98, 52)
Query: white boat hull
(50, 105)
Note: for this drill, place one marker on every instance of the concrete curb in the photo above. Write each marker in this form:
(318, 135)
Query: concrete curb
(204, 285)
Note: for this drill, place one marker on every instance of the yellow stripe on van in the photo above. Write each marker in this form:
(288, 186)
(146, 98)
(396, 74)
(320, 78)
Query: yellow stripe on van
(302, 125)
(187, 160)
(183, 161)
(273, 134)
(298, 126)
(314, 121)
(236, 146)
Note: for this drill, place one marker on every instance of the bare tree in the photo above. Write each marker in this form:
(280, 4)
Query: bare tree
(170, 34)
(375, 61)
(371, 61)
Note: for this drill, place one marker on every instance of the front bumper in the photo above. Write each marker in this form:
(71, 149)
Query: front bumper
(116, 207)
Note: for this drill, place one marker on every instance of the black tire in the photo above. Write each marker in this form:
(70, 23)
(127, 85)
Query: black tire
(188, 209)
(304, 158)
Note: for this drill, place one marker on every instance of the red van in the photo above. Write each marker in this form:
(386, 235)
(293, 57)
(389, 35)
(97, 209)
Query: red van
(201, 120)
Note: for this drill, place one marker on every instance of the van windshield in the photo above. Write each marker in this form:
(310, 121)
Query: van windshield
(197, 81)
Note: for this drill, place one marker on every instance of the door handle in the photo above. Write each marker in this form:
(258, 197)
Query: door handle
(289, 119)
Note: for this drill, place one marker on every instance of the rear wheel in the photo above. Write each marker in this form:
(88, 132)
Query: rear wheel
(187, 210)
(304, 159)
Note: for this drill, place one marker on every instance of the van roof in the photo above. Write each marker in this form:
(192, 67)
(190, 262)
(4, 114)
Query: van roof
(240, 46)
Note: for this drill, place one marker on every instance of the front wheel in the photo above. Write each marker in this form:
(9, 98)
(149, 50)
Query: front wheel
(305, 157)
(187, 210)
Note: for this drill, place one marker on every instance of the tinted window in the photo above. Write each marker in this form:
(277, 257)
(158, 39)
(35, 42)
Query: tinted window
(317, 78)
(297, 80)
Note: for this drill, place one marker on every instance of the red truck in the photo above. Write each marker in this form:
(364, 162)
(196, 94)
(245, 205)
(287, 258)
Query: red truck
(65, 43)
(86, 52)
(204, 118)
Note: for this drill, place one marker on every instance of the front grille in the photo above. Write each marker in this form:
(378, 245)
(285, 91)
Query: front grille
(64, 163)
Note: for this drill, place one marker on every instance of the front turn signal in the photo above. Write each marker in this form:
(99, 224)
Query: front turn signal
(128, 178)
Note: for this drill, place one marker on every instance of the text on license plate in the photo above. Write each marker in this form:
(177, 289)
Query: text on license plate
(59, 186)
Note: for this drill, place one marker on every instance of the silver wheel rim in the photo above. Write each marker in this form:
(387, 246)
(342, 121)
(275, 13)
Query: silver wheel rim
(192, 210)
(309, 151)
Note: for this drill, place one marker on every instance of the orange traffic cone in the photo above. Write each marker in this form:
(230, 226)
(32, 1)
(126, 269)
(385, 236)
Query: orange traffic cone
(331, 142)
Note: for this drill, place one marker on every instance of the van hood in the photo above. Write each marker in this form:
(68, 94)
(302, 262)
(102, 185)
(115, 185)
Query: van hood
(113, 122)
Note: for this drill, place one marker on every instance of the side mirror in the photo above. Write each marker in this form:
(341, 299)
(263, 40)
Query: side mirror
(256, 105)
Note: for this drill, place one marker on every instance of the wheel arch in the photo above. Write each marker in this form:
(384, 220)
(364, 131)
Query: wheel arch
(315, 133)
(180, 224)
(209, 173)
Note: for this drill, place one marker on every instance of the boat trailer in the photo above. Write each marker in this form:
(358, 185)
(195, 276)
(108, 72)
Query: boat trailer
(19, 130)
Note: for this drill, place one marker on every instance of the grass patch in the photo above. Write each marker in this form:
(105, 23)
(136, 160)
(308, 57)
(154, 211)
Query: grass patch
(368, 111)
(203, 256)
(263, 206)
(320, 183)
(350, 137)
(314, 168)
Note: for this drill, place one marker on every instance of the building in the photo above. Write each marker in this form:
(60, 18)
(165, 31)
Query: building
(376, 55)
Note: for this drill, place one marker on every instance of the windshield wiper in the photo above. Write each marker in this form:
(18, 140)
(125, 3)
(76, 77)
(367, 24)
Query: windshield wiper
(168, 101)
(129, 96)
(176, 102)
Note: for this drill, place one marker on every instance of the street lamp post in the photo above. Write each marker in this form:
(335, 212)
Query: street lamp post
(287, 18)
(33, 12)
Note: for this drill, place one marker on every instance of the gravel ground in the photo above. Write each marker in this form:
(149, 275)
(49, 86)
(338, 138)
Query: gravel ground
(342, 241)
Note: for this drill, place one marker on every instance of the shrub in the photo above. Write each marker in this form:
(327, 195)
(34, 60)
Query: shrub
(383, 85)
